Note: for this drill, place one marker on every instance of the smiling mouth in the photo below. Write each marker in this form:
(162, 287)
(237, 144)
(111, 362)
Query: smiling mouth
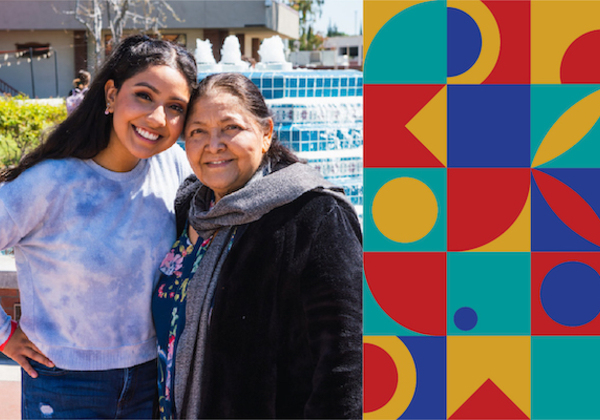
(146, 134)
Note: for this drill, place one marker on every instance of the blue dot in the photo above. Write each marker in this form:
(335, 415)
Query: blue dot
(570, 294)
(465, 318)
(464, 42)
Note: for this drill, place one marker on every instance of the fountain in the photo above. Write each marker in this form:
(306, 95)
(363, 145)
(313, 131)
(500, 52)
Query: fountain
(204, 57)
(318, 113)
(231, 57)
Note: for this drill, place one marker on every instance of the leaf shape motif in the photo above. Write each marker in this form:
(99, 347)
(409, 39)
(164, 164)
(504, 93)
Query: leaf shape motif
(569, 206)
(569, 129)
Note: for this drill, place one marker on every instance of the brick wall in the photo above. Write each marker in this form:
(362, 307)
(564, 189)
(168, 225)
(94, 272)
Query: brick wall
(8, 299)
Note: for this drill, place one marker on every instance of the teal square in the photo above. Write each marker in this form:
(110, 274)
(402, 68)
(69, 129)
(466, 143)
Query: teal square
(564, 377)
(375, 179)
(495, 287)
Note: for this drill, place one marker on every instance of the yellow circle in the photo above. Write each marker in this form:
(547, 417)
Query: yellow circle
(405, 210)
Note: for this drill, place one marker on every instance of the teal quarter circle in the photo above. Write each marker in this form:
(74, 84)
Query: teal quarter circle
(496, 285)
(374, 239)
(564, 377)
(411, 47)
(548, 104)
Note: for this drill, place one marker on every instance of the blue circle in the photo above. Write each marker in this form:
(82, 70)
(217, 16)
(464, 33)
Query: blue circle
(464, 42)
(570, 294)
(465, 318)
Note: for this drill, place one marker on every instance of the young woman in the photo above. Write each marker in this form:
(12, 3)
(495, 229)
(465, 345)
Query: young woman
(258, 311)
(90, 216)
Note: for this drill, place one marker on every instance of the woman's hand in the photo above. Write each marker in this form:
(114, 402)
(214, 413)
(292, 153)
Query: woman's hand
(20, 349)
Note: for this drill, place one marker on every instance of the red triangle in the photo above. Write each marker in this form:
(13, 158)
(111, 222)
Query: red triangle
(489, 402)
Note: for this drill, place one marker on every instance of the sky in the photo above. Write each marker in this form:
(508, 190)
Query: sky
(346, 14)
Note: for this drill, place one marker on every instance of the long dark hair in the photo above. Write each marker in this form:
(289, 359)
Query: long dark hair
(86, 132)
(253, 101)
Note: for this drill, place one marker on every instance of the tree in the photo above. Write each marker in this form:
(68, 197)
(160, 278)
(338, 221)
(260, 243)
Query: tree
(332, 30)
(148, 15)
(309, 11)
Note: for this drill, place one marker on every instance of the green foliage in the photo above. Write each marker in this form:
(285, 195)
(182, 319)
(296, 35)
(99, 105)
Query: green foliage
(308, 11)
(22, 122)
(332, 30)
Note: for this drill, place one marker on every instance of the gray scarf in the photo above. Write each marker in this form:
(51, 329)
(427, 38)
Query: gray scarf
(264, 192)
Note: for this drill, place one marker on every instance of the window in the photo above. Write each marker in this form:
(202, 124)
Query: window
(37, 49)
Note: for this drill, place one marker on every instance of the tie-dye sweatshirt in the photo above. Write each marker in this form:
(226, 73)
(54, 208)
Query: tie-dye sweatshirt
(88, 243)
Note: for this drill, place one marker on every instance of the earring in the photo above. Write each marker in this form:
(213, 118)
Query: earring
(107, 110)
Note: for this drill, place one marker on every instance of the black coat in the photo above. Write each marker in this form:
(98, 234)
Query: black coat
(285, 336)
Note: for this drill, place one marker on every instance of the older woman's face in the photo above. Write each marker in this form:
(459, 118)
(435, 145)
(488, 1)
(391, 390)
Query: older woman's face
(224, 142)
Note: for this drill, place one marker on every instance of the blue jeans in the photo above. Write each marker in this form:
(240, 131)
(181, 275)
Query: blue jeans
(66, 394)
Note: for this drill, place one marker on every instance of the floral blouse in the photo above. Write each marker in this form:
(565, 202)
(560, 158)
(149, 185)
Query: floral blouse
(168, 310)
(169, 297)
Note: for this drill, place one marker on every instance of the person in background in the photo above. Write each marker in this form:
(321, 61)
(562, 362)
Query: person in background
(76, 95)
(258, 311)
(90, 216)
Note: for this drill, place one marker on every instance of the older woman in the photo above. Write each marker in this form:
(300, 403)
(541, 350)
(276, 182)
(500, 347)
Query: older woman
(258, 310)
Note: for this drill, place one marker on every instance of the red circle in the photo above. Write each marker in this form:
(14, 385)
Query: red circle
(581, 62)
(380, 377)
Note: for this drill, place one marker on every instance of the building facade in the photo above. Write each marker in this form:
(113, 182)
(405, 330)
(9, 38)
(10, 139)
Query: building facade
(53, 45)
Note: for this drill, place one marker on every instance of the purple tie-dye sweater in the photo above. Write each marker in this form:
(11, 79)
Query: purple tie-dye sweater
(88, 243)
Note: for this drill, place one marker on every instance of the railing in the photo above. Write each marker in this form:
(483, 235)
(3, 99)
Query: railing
(6, 88)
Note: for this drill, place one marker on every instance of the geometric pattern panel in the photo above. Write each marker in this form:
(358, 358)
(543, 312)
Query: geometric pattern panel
(481, 209)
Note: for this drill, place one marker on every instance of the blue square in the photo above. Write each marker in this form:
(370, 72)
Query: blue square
(359, 82)
(488, 126)
(278, 82)
(304, 147)
(293, 93)
(301, 93)
(305, 136)
(336, 82)
(314, 135)
(310, 93)
(343, 92)
(295, 146)
(319, 93)
(320, 82)
(278, 93)
(293, 83)
(352, 81)
(327, 93)
(328, 82)
(295, 135)
(310, 83)
(302, 82)
(268, 93)
(335, 93)
(351, 92)
(344, 82)
(359, 92)
(287, 83)
(267, 83)
(256, 82)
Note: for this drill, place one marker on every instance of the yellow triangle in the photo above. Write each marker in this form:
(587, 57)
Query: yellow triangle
(429, 125)
(517, 237)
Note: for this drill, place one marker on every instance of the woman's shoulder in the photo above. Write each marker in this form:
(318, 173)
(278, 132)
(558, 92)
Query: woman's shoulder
(173, 157)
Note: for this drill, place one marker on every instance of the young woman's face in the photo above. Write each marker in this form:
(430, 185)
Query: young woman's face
(148, 116)
(224, 142)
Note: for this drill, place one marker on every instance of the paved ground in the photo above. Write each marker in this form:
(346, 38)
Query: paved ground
(10, 390)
